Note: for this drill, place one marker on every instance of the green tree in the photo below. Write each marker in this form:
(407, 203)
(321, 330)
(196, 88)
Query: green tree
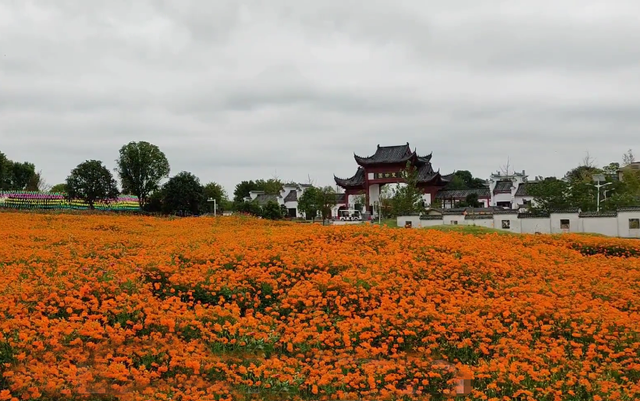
(408, 197)
(463, 179)
(308, 202)
(243, 189)
(272, 186)
(550, 194)
(59, 188)
(326, 200)
(141, 167)
(470, 200)
(182, 194)
(272, 211)
(215, 191)
(253, 208)
(92, 182)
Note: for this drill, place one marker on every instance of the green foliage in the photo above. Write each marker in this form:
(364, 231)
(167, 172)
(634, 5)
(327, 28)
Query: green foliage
(326, 201)
(308, 202)
(141, 166)
(463, 179)
(242, 191)
(183, 194)
(215, 191)
(408, 198)
(272, 186)
(471, 200)
(549, 194)
(272, 211)
(15, 176)
(91, 182)
(59, 188)
(252, 208)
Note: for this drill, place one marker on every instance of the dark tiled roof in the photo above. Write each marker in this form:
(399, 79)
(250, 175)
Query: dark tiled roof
(502, 187)
(463, 193)
(430, 217)
(454, 211)
(569, 210)
(533, 215)
(387, 154)
(292, 196)
(263, 199)
(357, 181)
(596, 214)
(523, 188)
(505, 211)
(629, 209)
(478, 216)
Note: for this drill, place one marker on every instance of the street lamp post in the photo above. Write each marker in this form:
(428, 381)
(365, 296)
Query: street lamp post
(597, 178)
(215, 205)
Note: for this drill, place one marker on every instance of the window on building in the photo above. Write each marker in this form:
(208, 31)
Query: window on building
(454, 221)
(504, 204)
(506, 224)
(564, 224)
(634, 224)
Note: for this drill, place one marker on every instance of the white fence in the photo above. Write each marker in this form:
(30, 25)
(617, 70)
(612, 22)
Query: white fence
(623, 223)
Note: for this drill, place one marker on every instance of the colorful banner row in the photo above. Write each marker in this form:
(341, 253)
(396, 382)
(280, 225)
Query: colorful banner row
(45, 200)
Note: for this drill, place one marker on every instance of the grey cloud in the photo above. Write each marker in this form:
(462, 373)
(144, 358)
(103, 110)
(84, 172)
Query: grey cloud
(234, 90)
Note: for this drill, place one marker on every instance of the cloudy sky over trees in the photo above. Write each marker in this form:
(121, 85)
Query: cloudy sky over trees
(234, 90)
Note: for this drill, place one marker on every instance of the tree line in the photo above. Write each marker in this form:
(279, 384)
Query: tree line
(576, 188)
(140, 168)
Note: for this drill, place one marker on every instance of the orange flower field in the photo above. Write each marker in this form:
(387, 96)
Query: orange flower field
(125, 307)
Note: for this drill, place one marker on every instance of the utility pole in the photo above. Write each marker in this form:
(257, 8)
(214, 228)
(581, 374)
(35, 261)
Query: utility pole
(215, 205)
(597, 178)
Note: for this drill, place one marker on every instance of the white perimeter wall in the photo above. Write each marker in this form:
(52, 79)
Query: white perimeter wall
(601, 225)
(574, 222)
(513, 219)
(623, 224)
(610, 226)
(488, 223)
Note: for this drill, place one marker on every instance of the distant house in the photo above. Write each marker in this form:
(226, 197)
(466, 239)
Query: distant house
(633, 166)
(510, 191)
(288, 197)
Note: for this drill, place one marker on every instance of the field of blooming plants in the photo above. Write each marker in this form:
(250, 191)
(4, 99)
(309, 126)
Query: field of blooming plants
(121, 307)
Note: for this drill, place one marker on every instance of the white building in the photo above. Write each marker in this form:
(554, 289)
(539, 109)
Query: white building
(510, 190)
(288, 197)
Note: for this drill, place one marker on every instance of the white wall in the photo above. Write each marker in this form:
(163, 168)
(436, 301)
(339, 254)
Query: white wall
(514, 226)
(450, 218)
(415, 221)
(488, 223)
(535, 225)
(623, 224)
(431, 223)
(600, 225)
(610, 226)
(574, 222)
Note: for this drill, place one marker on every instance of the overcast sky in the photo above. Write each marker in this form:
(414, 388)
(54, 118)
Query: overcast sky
(235, 90)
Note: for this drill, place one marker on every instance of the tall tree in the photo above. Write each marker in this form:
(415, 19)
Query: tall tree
(183, 194)
(243, 189)
(141, 167)
(550, 194)
(272, 186)
(628, 158)
(92, 182)
(215, 191)
(326, 201)
(407, 199)
(308, 202)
